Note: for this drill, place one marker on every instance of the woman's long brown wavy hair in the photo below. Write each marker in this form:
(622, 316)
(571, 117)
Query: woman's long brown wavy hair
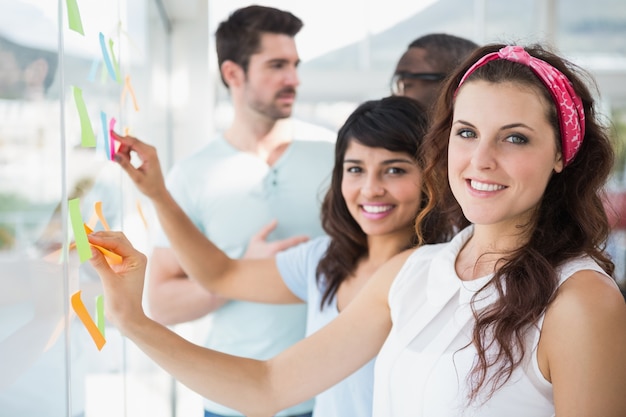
(397, 124)
(569, 222)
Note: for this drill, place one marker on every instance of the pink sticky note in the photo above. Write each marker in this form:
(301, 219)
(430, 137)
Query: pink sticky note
(112, 141)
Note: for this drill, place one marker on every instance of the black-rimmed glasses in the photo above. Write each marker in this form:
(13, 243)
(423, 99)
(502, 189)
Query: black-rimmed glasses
(399, 78)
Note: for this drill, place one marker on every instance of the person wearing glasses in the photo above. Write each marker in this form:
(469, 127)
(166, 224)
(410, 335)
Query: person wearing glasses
(518, 315)
(426, 62)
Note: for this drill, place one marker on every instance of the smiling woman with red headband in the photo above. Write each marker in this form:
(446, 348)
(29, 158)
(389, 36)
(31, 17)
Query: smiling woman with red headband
(518, 315)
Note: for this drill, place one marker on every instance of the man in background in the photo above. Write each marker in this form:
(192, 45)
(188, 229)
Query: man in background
(261, 171)
(426, 63)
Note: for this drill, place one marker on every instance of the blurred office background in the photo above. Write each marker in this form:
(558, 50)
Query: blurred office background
(148, 67)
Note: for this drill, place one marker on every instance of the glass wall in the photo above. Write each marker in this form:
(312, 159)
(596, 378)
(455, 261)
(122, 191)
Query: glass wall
(69, 71)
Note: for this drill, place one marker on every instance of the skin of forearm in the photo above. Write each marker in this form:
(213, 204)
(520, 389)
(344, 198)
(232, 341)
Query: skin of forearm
(181, 300)
(256, 388)
(239, 383)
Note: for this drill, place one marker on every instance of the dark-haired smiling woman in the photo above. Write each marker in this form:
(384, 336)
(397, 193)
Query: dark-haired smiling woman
(368, 214)
(518, 315)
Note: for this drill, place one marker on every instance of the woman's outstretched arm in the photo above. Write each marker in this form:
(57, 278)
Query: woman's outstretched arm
(242, 279)
(255, 388)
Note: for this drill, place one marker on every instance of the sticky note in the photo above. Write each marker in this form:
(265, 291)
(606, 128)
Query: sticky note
(83, 315)
(103, 73)
(141, 215)
(80, 237)
(106, 58)
(58, 256)
(100, 313)
(112, 141)
(98, 208)
(102, 146)
(93, 220)
(128, 89)
(73, 17)
(88, 139)
(94, 70)
(112, 258)
(116, 67)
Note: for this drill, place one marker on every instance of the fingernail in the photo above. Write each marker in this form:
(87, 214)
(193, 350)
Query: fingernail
(117, 158)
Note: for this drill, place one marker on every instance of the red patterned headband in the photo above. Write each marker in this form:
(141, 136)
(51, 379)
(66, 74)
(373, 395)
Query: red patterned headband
(569, 105)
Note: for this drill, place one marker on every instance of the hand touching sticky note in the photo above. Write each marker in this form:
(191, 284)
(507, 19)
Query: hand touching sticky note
(112, 258)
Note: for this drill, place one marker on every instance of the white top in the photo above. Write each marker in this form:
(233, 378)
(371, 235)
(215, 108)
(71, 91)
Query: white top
(422, 369)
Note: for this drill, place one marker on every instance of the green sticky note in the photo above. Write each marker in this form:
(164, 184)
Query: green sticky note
(103, 74)
(80, 236)
(73, 17)
(88, 138)
(116, 65)
(100, 313)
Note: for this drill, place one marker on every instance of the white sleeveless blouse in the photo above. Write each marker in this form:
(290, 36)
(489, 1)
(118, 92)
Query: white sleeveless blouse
(421, 370)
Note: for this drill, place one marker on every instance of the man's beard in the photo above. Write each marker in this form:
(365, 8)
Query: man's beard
(273, 111)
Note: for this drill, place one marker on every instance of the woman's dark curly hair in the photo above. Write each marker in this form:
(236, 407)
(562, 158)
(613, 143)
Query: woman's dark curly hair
(569, 222)
(394, 123)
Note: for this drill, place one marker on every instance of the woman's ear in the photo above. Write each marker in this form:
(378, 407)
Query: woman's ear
(558, 163)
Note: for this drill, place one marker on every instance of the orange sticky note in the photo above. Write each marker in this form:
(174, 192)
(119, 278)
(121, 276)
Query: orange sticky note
(128, 89)
(82, 313)
(93, 220)
(59, 255)
(98, 208)
(113, 258)
(141, 215)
